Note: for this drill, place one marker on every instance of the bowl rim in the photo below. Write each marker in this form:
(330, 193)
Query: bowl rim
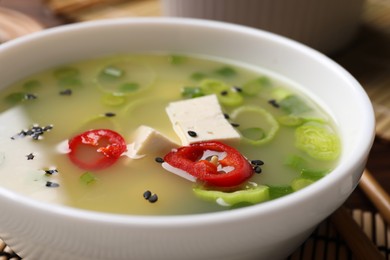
(212, 217)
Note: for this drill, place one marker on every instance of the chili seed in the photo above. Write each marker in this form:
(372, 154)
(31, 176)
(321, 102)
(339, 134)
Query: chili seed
(52, 184)
(257, 169)
(147, 194)
(192, 133)
(153, 198)
(159, 159)
(257, 162)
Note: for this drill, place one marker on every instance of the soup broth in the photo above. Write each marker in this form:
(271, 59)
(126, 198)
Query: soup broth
(293, 138)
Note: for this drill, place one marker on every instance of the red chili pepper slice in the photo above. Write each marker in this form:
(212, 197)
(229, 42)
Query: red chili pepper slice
(189, 159)
(96, 149)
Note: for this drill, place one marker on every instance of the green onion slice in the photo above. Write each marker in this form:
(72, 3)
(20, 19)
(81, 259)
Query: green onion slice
(226, 94)
(66, 72)
(254, 87)
(88, 178)
(15, 97)
(279, 191)
(226, 72)
(312, 174)
(301, 165)
(252, 195)
(300, 183)
(317, 141)
(112, 73)
(113, 100)
(192, 92)
(295, 162)
(254, 133)
(293, 104)
(67, 76)
(290, 120)
(32, 84)
(198, 76)
(262, 126)
(124, 77)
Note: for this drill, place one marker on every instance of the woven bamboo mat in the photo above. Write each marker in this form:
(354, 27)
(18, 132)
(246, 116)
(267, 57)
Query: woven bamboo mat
(325, 242)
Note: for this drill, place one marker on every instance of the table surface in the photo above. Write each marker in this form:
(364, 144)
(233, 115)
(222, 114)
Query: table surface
(367, 59)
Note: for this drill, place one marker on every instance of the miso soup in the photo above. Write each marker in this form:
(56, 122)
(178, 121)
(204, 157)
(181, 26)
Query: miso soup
(273, 136)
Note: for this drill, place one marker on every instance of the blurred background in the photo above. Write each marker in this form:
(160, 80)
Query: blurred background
(326, 25)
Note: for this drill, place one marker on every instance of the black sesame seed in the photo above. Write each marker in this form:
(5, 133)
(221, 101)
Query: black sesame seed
(192, 133)
(153, 198)
(147, 194)
(36, 128)
(226, 116)
(273, 103)
(48, 128)
(51, 172)
(29, 96)
(66, 92)
(30, 156)
(35, 132)
(235, 124)
(21, 134)
(238, 89)
(224, 93)
(159, 159)
(52, 184)
(109, 114)
(257, 169)
(257, 162)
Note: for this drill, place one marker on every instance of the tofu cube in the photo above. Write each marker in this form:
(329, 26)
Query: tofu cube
(147, 140)
(203, 116)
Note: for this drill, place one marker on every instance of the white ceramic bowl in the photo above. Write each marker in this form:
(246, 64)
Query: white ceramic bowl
(272, 230)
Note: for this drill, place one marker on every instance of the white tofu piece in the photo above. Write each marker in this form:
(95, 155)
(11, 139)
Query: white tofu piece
(147, 140)
(204, 116)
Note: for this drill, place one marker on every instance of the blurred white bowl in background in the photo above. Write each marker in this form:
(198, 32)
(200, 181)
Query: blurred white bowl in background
(325, 25)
